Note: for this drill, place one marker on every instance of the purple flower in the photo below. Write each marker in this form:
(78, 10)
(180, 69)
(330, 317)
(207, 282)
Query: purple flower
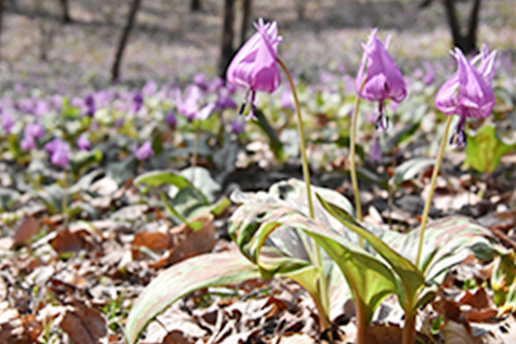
(254, 67)
(286, 101)
(83, 143)
(201, 81)
(375, 155)
(61, 155)
(237, 126)
(468, 92)
(7, 121)
(383, 77)
(34, 131)
(90, 105)
(216, 84)
(188, 106)
(137, 102)
(150, 88)
(28, 143)
(145, 151)
(171, 119)
(41, 107)
(225, 101)
(429, 76)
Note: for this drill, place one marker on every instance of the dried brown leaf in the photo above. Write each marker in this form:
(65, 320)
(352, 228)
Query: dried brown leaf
(26, 230)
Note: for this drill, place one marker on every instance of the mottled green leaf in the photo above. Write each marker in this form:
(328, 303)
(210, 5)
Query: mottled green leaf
(255, 227)
(411, 278)
(204, 271)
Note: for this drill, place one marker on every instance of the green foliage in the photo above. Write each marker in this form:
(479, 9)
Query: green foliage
(183, 278)
(485, 148)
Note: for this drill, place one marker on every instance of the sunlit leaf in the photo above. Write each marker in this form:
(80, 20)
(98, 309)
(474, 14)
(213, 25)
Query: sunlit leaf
(484, 149)
(204, 271)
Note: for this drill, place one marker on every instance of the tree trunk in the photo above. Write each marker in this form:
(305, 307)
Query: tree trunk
(471, 35)
(195, 5)
(246, 17)
(65, 9)
(228, 34)
(1, 23)
(115, 71)
(467, 43)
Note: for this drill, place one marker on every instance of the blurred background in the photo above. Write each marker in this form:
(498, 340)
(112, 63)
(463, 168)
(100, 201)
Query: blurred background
(65, 45)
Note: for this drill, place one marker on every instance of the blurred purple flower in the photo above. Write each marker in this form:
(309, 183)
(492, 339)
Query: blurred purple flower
(83, 143)
(188, 106)
(119, 122)
(28, 143)
(216, 84)
(375, 155)
(429, 77)
(19, 88)
(225, 101)
(286, 101)
(41, 108)
(137, 102)
(59, 153)
(171, 119)
(150, 88)
(468, 92)
(77, 102)
(34, 131)
(383, 78)
(254, 67)
(57, 102)
(237, 126)
(7, 121)
(145, 151)
(201, 81)
(89, 101)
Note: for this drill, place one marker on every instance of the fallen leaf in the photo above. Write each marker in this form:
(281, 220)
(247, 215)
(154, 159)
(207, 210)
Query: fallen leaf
(26, 230)
(457, 333)
(65, 242)
(84, 325)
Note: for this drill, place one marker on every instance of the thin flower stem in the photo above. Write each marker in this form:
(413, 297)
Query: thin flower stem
(306, 173)
(195, 152)
(352, 157)
(64, 201)
(437, 166)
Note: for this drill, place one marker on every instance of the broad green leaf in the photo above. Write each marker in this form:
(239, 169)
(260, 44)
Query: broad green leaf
(157, 178)
(447, 242)
(484, 149)
(188, 201)
(411, 278)
(255, 226)
(410, 169)
(216, 269)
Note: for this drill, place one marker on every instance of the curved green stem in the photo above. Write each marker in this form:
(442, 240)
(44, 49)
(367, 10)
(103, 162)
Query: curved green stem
(424, 219)
(306, 173)
(352, 157)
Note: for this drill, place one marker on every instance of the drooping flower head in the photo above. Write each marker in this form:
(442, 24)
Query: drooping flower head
(143, 152)
(89, 102)
(7, 121)
(59, 153)
(254, 67)
(83, 143)
(171, 119)
(383, 79)
(468, 92)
